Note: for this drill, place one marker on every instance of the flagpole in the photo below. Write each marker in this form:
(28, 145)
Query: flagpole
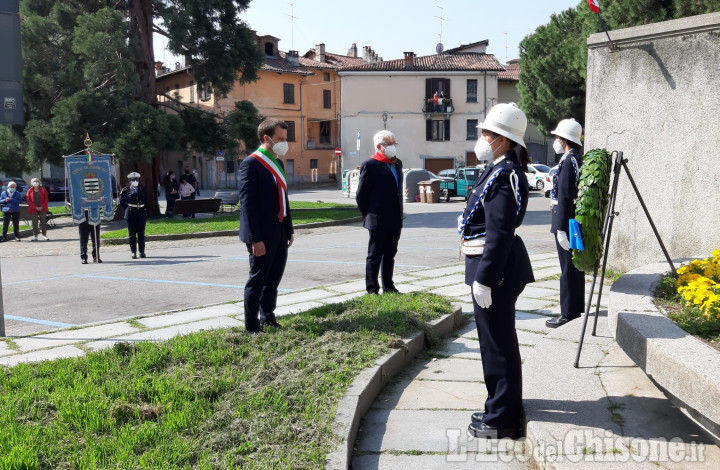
(613, 48)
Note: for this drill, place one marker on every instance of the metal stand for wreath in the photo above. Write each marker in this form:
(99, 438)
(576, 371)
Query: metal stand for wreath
(620, 162)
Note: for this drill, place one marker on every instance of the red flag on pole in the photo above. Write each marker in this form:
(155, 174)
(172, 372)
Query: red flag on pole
(594, 6)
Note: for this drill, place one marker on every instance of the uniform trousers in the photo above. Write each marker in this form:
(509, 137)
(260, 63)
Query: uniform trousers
(261, 288)
(572, 285)
(136, 219)
(382, 249)
(500, 353)
(85, 231)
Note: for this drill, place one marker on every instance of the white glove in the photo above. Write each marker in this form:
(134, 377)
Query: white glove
(460, 219)
(563, 240)
(482, 294)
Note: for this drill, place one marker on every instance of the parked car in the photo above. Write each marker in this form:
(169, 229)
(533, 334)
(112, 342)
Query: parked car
(548, 180)
(460, 185)
(22, 185)
(447, 173)
(539, 173)
(57, 190)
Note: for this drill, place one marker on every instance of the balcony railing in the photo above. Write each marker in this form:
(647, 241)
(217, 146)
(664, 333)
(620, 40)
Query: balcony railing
(444, 106)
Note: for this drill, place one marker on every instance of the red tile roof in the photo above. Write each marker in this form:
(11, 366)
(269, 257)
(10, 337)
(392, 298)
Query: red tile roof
(439, 62)
(511, 73)
(331, 60)
(282, 65)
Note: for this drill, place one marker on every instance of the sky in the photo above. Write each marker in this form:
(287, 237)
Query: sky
(392, 27)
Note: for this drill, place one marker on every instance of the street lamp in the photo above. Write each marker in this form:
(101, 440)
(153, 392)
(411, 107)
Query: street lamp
(384, 116)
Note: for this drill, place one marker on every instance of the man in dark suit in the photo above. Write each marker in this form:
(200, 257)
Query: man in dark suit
(265, 223)
(379, 198)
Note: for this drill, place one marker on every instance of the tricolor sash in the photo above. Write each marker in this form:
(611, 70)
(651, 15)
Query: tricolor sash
(272, 165)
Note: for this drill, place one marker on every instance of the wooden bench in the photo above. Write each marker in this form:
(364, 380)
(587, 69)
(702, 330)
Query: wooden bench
(25, 216)
(194, 206)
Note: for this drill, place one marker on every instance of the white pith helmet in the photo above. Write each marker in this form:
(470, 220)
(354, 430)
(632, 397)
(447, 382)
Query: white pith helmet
(507, 120)
(569, 129)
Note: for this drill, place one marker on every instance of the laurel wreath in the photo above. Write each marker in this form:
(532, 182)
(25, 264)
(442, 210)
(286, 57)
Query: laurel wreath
(593, 196)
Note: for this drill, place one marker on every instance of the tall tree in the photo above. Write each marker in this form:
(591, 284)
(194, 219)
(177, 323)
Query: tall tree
(88, 67)
(553, 59)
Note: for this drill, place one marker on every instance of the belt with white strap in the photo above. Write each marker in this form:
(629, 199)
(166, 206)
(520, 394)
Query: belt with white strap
(554, 202)
(136, 206)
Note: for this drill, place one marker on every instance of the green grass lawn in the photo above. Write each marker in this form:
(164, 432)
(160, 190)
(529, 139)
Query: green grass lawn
(214, 399)
(316, 205)
(165, 226)
(59, 210)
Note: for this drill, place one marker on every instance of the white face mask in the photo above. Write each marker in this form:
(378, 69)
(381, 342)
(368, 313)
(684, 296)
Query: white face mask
(11, 190)
(484, 151)
(279, 148)
(390, 151)
(557, 147)
(135, 184)
(36, 184)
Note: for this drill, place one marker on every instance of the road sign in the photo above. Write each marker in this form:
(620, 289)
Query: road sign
(338, 152)
(358, 141)
(219, 159)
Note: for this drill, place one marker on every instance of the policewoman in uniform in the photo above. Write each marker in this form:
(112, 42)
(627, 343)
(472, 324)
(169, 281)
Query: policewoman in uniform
(563, 197)
(132, 201)
(497, 266)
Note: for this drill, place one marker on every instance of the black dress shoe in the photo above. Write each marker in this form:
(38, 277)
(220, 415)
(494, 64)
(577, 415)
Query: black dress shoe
(482, 430)
(559, 321)
(373, 292)
(134, 256)
(84, 261)
(272, 323)
(391, 290)
(477, 416)
(142, 255)
(255, 332)
(97, 260)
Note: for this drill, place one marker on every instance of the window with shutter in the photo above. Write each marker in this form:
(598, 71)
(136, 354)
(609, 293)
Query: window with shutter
(290, 131)
(288, 93)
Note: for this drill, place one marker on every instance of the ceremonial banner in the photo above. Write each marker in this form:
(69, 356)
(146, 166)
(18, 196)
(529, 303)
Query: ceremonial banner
(90, 187)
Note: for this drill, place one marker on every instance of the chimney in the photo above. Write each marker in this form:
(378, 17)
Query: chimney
(158, 68)
(352, 52)
(293, 57)
(320, 53)
(408, 60)
(366, 54)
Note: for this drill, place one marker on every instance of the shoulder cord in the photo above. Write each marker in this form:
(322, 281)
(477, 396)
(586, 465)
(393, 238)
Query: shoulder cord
(553, 192)
(514, 183)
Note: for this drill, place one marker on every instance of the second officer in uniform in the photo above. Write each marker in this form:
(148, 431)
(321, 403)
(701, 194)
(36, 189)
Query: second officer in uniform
(132, 201)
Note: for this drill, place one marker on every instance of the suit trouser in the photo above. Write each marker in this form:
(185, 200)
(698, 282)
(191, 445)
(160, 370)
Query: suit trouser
(136, 228)
(262, 285)
(85, 231)
(15, 216)
(43, 223)
(171, 198)
(572, 285)
(382, 249)
(500, 353)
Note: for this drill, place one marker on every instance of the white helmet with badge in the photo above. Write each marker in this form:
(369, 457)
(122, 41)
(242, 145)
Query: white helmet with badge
(569, 129)
(507, 120)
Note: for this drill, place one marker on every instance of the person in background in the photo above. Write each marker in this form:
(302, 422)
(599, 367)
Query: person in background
(37, 199)
(89, 231)
(197, 182)
(172, 192)
(563, 197)
(132, 202)
(186, 192)
(11, 199)
(379, 198)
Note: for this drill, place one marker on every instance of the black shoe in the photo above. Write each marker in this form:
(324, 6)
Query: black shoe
(482, 430)
(17, 238)
(134, 256)
(272, 323)
(559, 321)
(391, 290)
(373, 292)
(84, 261)
(142, 255)
(98, 260)
(2, 239)
(477, 416)
(255, 332)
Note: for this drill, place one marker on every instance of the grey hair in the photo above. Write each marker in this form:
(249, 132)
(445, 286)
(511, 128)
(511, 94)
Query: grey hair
(381, 136)
(12, 183)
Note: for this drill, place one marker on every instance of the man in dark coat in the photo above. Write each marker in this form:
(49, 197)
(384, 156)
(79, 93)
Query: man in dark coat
(132, 203)
(265, 223)
(379, 198)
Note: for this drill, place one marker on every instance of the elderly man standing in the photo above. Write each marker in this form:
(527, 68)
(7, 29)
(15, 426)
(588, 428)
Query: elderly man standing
(379, 198)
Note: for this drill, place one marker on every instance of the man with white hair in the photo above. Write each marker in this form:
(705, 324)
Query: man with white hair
(379, 198)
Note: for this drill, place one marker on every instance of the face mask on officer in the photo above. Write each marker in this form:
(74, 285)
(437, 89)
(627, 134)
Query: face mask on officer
(558, 147)
(484, 150)
(134, 183)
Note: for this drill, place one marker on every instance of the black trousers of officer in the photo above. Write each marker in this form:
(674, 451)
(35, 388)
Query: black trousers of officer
(136, 219)
(261, 288)
(85, 230)
(501, 362)
(382, 249)
(572, 285)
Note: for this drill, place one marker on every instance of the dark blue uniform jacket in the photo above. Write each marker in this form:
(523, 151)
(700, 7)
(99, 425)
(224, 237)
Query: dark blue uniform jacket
(505, 261)
(566, 188)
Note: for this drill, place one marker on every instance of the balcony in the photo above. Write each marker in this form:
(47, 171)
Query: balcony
(430, 108)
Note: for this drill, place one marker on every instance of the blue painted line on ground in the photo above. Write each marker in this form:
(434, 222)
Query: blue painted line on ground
(166, 281)
(39, 322)
(350, 262)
